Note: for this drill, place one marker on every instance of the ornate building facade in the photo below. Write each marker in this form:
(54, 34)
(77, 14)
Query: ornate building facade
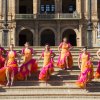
(48, 21)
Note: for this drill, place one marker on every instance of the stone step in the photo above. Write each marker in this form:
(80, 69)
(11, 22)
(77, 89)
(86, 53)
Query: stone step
(50, 97)
(48, 90)
(74, 63)
(73, 68)
(53, 98)
(66, 83)
(52, 47)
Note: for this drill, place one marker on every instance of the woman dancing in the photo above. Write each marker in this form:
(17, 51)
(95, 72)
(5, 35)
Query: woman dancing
(97, 74)
(86, 67)
(10, 69)
(65, 60)
(2, 59)
(29, 64)
(48, 67)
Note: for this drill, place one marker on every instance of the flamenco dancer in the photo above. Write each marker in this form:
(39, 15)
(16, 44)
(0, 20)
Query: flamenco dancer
(97, 74)
(65, 60)
(86, 67)
(2, 59)
(29, 64)
(48, 63)
(10, 68)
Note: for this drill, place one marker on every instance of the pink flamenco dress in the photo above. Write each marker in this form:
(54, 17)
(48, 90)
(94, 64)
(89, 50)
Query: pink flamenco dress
(65, 54)
(29, 65)
(97, 74)
(87, 73)
(2, 59)
(48, 67)
(11, 65)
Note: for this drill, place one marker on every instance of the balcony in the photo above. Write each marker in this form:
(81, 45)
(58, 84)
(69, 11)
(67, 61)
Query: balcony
(68, 16)
(24, 16)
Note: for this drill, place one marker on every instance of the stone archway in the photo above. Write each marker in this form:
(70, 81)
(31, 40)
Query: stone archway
(47, 36)
(71, 36)
(25, 36)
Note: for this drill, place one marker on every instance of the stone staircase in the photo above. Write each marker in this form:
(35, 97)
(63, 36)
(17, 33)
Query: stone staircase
(61, 85)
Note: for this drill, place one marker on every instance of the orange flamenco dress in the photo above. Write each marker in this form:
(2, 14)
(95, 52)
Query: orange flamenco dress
(65, 54)
(48, 67)
(97, 74)
(2, 59)
(87, 73)
(29, 65)
(11, 65)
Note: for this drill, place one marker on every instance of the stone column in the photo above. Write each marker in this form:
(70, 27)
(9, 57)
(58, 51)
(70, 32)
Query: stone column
(35, 6)
(36, 37)
(79, 38)
(58, 35)
(13, 4)
(0, 8)
(13, 35)
(85, 6)
(94, 9)
(78, 6)
(0, 23)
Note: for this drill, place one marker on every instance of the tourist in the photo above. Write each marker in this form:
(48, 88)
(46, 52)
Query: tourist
(29, 65)
(2, 59)
(10, 68)
(48, 63)
(97, 75)
(86, 67)
(65, 60)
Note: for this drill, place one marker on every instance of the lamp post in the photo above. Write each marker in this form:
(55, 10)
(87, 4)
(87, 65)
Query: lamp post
(89, 28)
(5, 29)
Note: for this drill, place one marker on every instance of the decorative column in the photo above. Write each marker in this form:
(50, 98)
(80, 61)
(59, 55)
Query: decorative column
(36, 39)
(78, 6)
(58, 35)
(35, 6)
(5, 23)
(94, 9)
(89, 29)
(13, 34)
(13, 4)
(0, 8)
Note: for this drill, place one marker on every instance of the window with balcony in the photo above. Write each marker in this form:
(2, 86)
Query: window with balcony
(68, 6)
(25, 6)
(47, 6)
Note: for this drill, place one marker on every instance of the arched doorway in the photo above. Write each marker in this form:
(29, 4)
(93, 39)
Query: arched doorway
(25, 36)
(47, 36)
(71, 36)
